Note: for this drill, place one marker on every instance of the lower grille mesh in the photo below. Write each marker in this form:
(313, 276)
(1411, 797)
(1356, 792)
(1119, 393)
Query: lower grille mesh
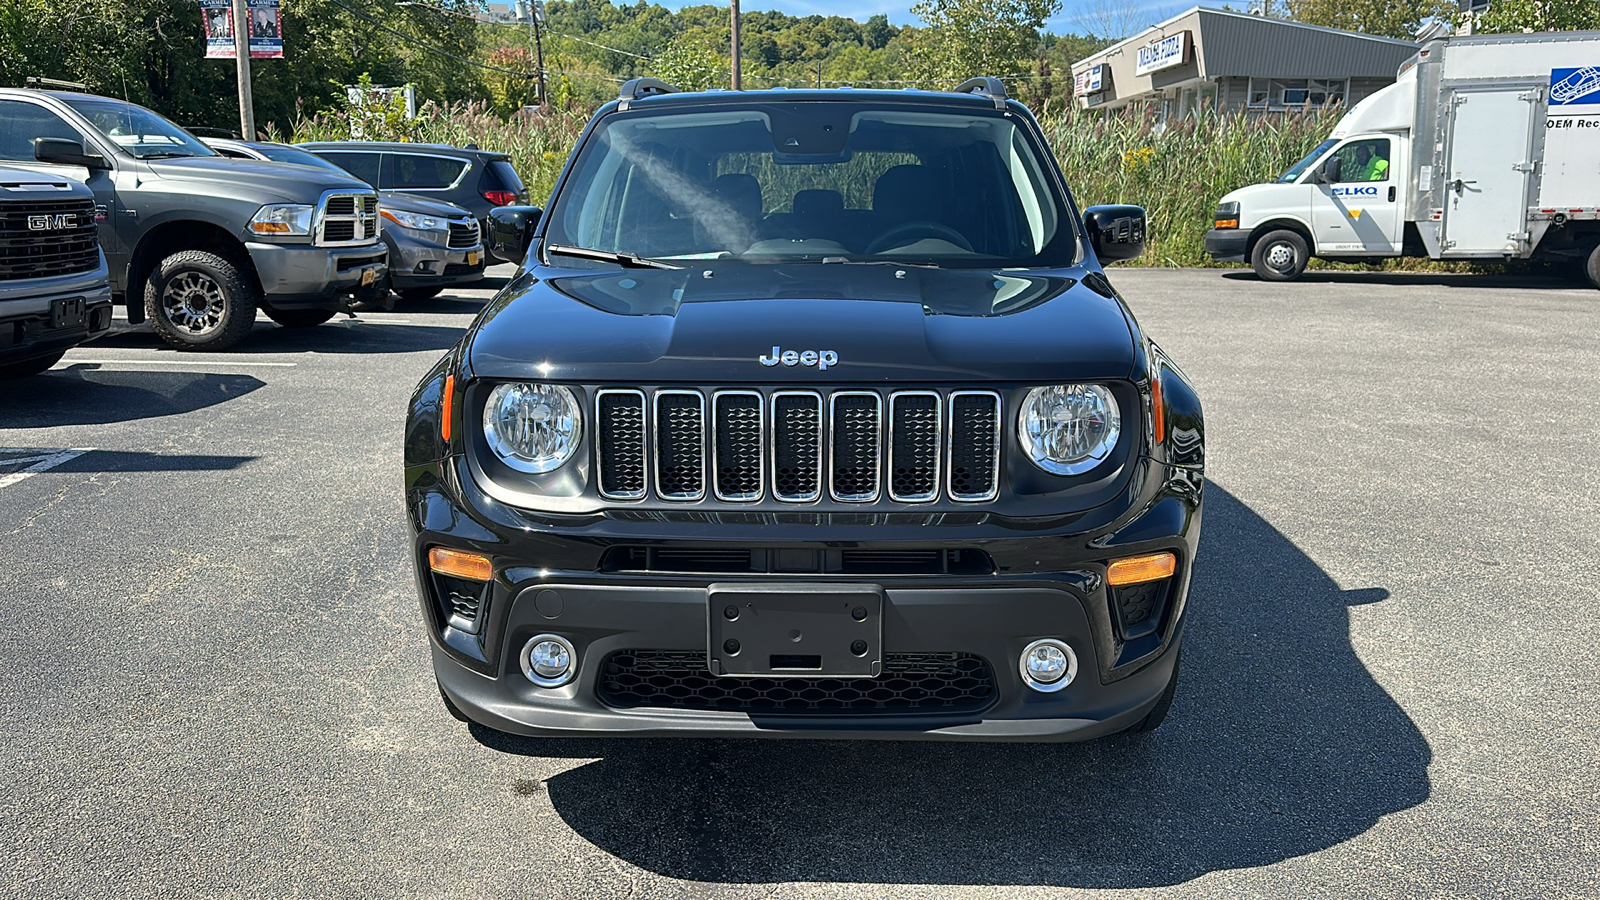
(910, 683)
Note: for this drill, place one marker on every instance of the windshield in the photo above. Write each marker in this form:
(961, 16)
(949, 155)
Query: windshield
(1299, 168)
(137, 130)
(280, 153)
(816, 181)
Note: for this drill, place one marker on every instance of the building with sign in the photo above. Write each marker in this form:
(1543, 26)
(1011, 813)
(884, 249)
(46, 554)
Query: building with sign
(1234, 61)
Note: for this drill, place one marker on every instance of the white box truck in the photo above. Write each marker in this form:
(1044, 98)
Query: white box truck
(1486, 148)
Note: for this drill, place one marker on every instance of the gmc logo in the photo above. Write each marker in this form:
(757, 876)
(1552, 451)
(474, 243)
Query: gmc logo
(52, 223)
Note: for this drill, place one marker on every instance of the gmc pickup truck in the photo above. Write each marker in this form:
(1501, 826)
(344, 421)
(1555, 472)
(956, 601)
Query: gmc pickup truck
(195, 242)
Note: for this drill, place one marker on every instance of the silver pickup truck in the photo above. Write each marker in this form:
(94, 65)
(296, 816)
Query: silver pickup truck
(195, 242)
(54, 287)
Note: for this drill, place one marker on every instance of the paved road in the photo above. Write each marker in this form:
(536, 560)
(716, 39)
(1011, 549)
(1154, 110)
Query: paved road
(217, 685)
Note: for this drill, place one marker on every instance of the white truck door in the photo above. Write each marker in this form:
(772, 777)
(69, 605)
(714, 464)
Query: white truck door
(1487, 185)
(1358, 214)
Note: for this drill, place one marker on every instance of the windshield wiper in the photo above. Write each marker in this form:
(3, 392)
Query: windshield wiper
(166, 154)
(847, 261)
(626, 260)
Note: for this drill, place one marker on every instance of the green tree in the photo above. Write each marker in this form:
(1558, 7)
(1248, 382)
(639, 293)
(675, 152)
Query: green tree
(1512, 16)
(691, 64)
(1389, 18)
(964, 38)
(878, 32)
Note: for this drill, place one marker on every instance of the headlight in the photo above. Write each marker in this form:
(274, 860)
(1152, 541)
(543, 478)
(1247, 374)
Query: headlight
(282, 218)
(532, 427)
(1068, 429)
(1227, 215)
(414, 221)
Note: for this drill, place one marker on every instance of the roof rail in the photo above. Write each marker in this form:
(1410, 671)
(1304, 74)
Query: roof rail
(643, 87)
(35, 81)
(985, 86)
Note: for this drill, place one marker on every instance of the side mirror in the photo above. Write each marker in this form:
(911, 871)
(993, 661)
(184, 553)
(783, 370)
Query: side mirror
(1115, 232)
(511, 230)
(66, 153)
(1329, 171)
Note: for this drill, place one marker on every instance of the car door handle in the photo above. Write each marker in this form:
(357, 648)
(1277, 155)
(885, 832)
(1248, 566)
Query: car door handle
(1391, 193)
(1461, 185)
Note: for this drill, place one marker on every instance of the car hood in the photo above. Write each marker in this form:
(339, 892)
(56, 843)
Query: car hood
(256, 178)
(882, 323)
(422, 206)
(1269, 191)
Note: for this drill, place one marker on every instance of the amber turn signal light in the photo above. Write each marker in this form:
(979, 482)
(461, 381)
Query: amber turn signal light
(1227, 223)
(1139, 569)
(447, 407)
(1158, 411)
(460, 564)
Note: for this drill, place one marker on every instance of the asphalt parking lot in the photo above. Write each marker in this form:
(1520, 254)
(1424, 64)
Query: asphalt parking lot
(216, 682)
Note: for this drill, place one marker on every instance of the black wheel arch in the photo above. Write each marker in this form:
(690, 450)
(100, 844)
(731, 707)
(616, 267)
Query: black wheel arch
(1271, 225)
(177, 236)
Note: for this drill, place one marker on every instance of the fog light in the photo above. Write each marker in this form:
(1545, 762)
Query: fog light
(1048, 665)
(549, 661)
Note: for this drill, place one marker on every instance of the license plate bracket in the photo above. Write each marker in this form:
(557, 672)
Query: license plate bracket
(472, 257)
(368, 276)
(795, 630)
(68, 312)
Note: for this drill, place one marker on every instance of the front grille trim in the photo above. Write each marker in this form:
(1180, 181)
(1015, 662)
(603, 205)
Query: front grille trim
(834, 431)
(656, 426)
(950, 448)
(761, 443)
(809, 496)
(938, 446)
(603, 447)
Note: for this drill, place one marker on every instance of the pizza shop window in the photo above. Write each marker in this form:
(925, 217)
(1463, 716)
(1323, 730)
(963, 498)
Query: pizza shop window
(1281, 93)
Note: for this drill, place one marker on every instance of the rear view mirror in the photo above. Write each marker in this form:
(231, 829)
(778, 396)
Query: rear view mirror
(511, 230)
(1329, 172)
(1115, 232)
(66, 153)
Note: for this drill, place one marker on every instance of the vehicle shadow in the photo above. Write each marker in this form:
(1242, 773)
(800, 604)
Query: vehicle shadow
(1280, 744)
(340, 335)
(1522, 282)
(84, 394)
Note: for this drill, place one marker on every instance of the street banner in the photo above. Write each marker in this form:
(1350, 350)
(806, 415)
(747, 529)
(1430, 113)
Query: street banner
(265, 21)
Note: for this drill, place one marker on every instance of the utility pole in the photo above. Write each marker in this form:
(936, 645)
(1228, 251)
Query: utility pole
(735, 69)
(241, 52)
(538, 44)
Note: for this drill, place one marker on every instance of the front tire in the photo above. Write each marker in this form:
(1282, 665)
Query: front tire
(1280, 256)
(29, 366)
(200, 301)
(299, 318)
(1592, 268)
(1158, 714)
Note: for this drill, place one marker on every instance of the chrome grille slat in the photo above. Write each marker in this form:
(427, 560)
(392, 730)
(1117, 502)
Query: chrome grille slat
(855, 420)
(851, 446)
(680, 446)
(623, 474)
(736, 458)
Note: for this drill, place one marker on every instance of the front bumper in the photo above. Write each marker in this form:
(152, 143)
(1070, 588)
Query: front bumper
(298, 276)
(417, 263)
(28, 328)
(1227, 244)
(550, 577)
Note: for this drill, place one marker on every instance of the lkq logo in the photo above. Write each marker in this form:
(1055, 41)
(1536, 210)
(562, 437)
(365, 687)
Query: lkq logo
(52, 223)
(822, 359)
(1360, 191)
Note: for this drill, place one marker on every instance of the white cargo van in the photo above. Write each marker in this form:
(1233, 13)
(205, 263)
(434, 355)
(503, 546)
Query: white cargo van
(1486, 148)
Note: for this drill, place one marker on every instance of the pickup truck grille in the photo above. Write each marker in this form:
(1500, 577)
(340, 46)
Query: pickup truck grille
(850, 446)
(347, 220)
(463, 235)
(44, 238)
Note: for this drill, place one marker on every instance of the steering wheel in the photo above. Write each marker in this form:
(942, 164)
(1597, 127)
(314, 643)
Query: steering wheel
(898, 236)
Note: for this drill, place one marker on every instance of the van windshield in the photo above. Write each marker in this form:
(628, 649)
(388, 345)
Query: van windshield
(814, 181)
(1299, 168)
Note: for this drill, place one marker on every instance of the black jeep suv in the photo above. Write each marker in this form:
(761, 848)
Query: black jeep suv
(812, 413)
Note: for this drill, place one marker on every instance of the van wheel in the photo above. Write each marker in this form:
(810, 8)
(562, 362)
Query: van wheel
(200, 301)
(1280, 256)
(299, 318)
(1592, 267)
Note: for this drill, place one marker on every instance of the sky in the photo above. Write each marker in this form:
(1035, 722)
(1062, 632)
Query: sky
(899, 11)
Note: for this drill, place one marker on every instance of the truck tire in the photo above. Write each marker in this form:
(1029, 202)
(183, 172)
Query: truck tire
(29, 366)
(1592, 267)
(200, 301)
(1280, 256)
(416, 295)
(299, 318)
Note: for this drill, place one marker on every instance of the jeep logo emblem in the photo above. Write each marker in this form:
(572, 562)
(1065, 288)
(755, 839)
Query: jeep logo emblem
(52, 223)
(822, 359)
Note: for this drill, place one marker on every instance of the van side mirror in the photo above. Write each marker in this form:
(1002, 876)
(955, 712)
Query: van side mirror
(1329, 171)
(1115, 232)
(66, 153)
(511, 230)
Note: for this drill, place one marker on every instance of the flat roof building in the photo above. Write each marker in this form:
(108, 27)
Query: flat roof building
(1236, 61)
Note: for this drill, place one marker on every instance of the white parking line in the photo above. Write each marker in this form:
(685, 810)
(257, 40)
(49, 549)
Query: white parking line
(223, 363)
(40, 464)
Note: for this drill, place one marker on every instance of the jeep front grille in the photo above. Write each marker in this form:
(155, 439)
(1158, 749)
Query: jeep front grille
(851, 446)
(347, 219)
